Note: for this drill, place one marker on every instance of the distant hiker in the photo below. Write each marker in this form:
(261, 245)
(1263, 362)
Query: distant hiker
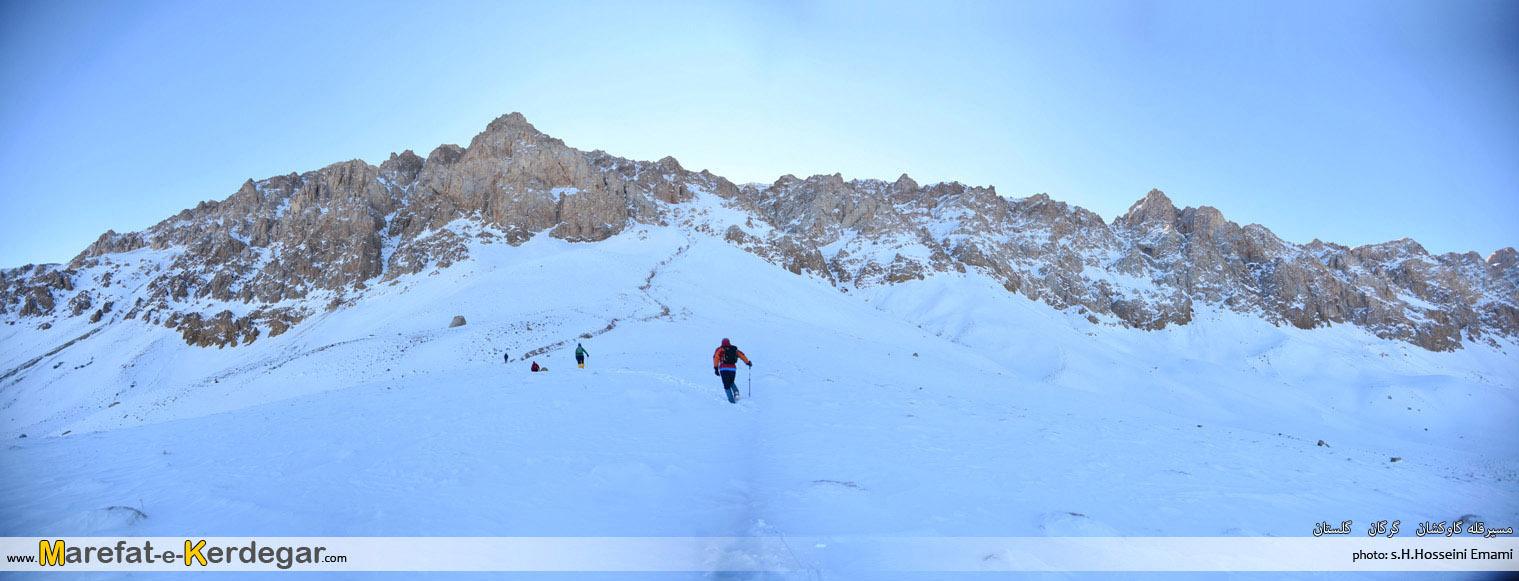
(506, 357)
(580, 355)
(537, 368)
(725, 365)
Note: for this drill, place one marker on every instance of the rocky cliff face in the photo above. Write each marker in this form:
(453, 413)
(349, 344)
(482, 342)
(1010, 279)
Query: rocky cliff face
(283, 248)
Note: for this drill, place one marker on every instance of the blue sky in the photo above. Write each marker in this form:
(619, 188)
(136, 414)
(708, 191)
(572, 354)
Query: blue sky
(1355, 122)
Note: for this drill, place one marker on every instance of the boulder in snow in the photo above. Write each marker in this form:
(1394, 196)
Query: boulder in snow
(457, 322)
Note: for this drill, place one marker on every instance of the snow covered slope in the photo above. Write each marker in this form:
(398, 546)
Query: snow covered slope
(940, 407)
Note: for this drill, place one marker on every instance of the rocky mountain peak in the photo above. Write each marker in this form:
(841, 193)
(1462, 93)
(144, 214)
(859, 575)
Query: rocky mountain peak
(505, 137)
(445, 155)
(407, 157)
(513, 122)
(1155, 209)
(1504, 258)
(403, 167)
(669, 163)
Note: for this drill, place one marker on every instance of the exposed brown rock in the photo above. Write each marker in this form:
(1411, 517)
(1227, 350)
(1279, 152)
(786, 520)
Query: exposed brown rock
(337, 231)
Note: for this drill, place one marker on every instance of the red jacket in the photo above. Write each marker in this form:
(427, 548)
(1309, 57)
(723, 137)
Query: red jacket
(717, 358)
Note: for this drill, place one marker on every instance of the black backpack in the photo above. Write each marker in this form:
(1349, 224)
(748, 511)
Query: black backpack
(730, 355)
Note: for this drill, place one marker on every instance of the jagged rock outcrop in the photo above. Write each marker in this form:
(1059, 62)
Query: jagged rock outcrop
(281, 249)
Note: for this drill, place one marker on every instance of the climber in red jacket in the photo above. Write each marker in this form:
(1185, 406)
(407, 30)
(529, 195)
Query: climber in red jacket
(725, 364)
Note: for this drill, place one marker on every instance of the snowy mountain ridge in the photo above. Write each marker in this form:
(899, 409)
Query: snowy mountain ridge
(286, 248)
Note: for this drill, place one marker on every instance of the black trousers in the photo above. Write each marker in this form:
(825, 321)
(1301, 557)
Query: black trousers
(729, 387)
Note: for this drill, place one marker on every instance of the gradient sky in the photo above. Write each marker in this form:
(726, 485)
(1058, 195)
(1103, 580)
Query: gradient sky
(1354, 122)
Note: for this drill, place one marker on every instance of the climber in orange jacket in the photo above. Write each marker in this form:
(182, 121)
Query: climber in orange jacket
(725, 364)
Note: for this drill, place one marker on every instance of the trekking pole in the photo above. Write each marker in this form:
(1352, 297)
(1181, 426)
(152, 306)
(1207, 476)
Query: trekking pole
(750, 376)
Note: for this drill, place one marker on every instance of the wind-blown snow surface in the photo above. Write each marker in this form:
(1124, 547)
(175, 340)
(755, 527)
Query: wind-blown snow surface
(944, 407)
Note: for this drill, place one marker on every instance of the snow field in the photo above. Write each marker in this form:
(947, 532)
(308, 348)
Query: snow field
(944, 407)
